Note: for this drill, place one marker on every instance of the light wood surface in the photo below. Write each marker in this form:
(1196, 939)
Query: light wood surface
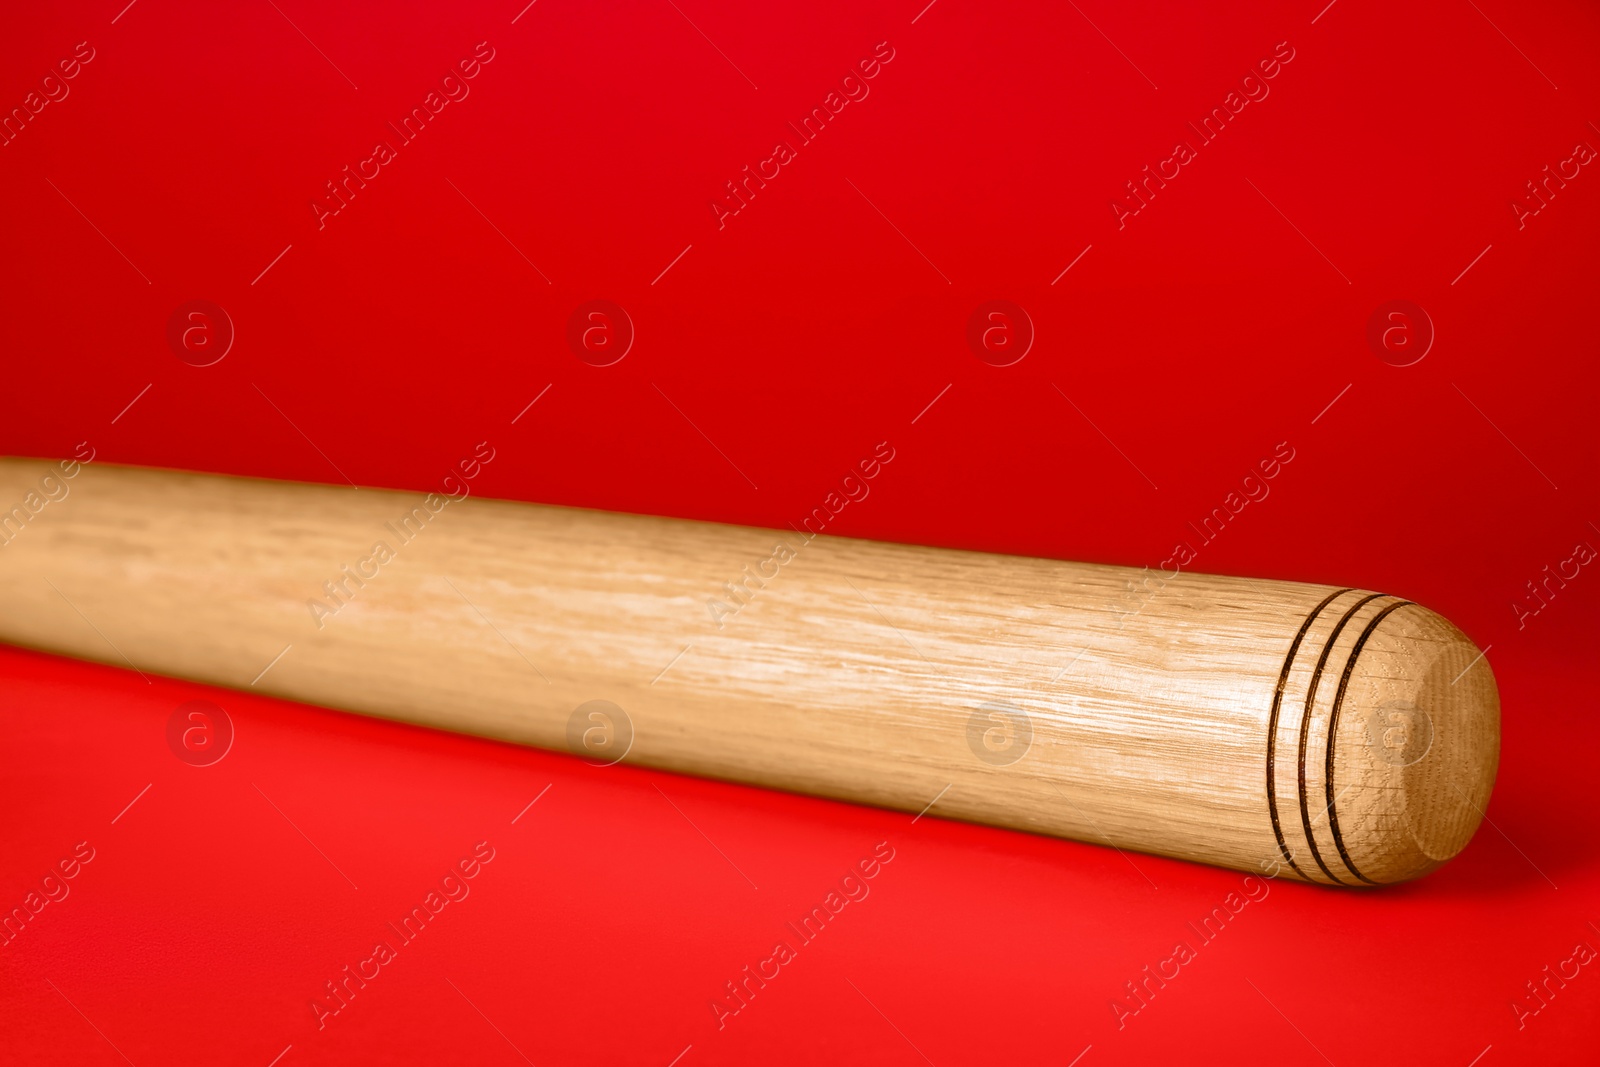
(1334, 735)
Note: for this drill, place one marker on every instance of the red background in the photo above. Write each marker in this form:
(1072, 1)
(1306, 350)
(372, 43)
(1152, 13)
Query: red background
(824, 317)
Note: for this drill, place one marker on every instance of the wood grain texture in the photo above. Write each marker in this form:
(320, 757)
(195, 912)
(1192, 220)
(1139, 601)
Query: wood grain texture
(1335, 735)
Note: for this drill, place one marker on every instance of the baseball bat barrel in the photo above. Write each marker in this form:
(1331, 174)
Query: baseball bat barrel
(1333, 735)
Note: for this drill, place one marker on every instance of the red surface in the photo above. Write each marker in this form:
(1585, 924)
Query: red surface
(1223, 318)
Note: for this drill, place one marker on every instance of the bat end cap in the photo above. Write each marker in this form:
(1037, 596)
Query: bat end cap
(1416, 749)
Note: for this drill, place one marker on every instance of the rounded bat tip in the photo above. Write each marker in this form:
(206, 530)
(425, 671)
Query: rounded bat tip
(1416, 747)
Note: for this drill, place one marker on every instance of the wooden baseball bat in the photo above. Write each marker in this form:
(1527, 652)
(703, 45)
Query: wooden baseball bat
(1333, 735)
